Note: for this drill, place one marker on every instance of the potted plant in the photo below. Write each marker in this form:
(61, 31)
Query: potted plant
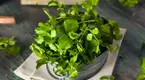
(75, 41)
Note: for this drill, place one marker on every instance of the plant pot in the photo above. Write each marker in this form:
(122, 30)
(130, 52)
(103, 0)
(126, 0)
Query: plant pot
(90, 69)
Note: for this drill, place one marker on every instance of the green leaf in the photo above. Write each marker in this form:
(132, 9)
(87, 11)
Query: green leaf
(143, 65)
(40, 62)
(62, 14)
(89, 37)
(95, 13)
(12, 42)
(48, 40)
(93, 2)
(3, 45)
(86, 16)
(60, 5)
(39, 39)
(113, 47)
(73, 35)
(37, 50)
(70, 25)
(52, 18)
(107, 78)
(141, 76)
(46, 11)
(118, 36)
(72, 53)
(74, 58)
(52, 60)
(92, 45)
(59, 31)
(53, 47)
(53, 33)
(86, 6)
(129, 3)
(97, 49)
(75, 8)
(59, 49)
(53, 3)
(89, 4)
(59, 70)
(40, 31)
(13, 50)
(65, 42)
(74, 73)
(45, 26)
(72, 12)
(80, 47)
(41, 24)
(105, 29)
(7, 41)
(95, 31)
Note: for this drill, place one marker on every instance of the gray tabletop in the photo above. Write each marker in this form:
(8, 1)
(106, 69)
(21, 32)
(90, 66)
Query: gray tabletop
(27, 17)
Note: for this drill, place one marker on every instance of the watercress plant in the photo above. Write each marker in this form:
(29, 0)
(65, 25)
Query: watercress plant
(76, 36)
(9, 46)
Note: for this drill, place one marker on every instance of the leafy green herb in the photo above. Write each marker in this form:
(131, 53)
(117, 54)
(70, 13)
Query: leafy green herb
(9, 46)
(89, 37)
(70, 25)
(65, 42)
(95, 31)
(129, 3)
(74, 37)
(40, 62)
(53, 3)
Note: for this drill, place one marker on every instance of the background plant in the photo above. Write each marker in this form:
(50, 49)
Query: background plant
(128, 3)
(9, 46)
(76, 36)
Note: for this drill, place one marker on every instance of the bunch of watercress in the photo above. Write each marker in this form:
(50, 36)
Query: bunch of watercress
(9, 46)
(76, 36)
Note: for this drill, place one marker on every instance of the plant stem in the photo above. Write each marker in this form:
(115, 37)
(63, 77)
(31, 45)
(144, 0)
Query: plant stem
(62, 17)
(82, 34)
(87, 21)
(96, 38)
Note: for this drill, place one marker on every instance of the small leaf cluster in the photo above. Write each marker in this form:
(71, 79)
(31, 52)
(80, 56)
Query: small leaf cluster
(128, 3)
(107, 78)
(76, 36)
(9, 46)
(142, 75)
